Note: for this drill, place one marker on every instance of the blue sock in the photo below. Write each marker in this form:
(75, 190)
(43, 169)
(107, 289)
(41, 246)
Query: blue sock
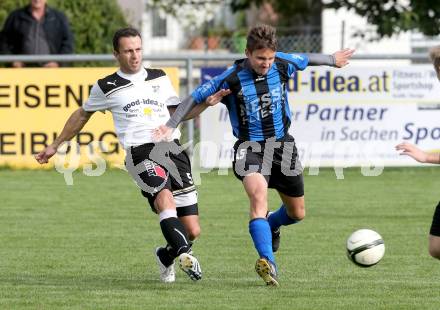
(260, 232)
(280, 218)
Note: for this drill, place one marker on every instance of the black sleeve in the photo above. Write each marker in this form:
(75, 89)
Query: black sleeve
(182, 110)
(316, 59)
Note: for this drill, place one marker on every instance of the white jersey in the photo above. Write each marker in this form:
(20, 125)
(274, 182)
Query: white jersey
(138, 102)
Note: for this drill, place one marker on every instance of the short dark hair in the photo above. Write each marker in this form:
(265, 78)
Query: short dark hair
(262, 36)
(124, 32)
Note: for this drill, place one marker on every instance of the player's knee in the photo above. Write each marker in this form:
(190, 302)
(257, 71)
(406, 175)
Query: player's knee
(434, 251)
(434, 244)
(193, 232)
(164, 200)
(297, 212)
(301, 215)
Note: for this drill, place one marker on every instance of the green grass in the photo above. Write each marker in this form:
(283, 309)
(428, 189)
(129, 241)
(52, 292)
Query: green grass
(90, 245)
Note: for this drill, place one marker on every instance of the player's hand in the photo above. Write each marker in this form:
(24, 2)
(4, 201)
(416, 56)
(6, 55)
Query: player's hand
(162, 133)
(17, 64)
(412, 151)
(342, 57)
(51, 64)
(44, 155)
(217, 97)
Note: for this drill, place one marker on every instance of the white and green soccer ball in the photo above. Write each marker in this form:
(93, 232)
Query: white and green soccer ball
(365, 247)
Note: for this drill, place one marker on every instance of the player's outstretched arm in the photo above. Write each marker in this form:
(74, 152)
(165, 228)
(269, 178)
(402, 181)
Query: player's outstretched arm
(217, 97)
(342, 57)
(416, 153)
(338, 59)
(72, 127)
(186, 110)
(189, 109)
(209, 102)
(164, 132)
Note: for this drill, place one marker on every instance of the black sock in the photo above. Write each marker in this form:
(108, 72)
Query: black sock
(165, 257)
(166, 254)
(176, 236)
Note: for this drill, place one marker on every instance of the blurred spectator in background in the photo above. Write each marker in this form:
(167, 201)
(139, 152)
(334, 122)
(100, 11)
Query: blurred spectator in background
(36, 29)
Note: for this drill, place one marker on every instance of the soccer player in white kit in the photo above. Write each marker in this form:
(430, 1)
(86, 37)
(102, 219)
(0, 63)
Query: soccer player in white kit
(140, 99)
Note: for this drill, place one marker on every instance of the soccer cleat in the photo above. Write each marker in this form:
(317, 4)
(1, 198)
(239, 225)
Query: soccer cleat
(276, 239)
(166, 274)
(190, 265)
(267, 271)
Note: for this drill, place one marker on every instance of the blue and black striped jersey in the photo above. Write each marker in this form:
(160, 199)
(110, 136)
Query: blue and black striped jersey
(258, 106)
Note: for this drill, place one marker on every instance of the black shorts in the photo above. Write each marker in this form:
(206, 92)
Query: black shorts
(276, 160)
(435, 226)
(170, 169)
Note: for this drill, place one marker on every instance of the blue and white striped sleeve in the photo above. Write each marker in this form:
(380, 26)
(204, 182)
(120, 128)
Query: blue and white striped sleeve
(296, 61)
(211, 87)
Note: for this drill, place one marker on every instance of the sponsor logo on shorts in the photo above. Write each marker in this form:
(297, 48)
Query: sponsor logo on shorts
(155, 170)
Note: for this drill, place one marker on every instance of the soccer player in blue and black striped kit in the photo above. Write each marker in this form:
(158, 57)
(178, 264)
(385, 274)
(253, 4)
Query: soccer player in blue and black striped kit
(265, 155)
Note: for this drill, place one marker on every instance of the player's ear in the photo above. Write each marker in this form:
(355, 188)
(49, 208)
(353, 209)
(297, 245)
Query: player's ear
(247, 52)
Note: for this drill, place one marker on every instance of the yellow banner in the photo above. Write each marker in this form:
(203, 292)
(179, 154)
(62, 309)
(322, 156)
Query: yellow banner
(35, 104)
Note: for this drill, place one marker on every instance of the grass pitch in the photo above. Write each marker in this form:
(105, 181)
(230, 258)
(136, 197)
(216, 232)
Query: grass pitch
(90, 245)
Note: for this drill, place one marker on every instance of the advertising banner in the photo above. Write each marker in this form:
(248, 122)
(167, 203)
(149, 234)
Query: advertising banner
(347, 117)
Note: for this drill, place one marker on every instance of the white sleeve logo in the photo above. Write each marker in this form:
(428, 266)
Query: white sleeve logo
(296, 56)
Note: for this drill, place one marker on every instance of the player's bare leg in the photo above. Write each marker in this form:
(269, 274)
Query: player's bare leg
(295, 206)
(164, 200)
(192, 226)
(255, 186)
(291, 212)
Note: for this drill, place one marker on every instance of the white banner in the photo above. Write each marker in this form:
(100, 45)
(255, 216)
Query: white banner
(346, 117)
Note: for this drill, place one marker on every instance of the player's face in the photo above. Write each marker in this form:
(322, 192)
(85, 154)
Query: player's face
(261, 60)
(38, 4)
(129, 55)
